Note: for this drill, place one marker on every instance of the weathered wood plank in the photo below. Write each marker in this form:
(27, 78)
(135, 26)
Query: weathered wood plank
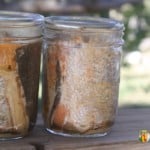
(124, 134)
(115, 146)
(17, 147)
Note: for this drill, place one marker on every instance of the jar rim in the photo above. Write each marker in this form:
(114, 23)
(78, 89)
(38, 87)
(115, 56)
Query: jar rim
(83, 23)
(14, 18)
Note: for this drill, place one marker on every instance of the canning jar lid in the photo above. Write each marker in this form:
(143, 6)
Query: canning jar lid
(82, 23)
(10, 18)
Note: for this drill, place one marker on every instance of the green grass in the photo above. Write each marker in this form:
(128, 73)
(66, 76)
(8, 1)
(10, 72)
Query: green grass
(135, 86)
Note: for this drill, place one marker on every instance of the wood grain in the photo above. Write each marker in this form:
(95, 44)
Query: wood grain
(17, 147)
(124, 135)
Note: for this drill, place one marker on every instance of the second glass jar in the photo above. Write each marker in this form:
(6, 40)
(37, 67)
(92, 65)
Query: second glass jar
(81, 75)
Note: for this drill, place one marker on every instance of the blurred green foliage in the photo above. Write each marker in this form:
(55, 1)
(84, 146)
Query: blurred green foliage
(139, 16)
(136, 18)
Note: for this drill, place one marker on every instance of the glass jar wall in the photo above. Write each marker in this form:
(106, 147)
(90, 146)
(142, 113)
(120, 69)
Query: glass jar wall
(20, 52)
(81, 75)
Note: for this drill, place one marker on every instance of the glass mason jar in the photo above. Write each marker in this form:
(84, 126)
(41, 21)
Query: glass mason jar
(81, 75)
(20, 52)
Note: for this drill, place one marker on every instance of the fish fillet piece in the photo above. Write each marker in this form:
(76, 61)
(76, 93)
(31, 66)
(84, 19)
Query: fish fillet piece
(13, 115)
(7, 56)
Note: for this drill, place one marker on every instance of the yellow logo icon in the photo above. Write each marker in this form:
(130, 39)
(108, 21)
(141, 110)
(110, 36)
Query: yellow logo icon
(144, 136)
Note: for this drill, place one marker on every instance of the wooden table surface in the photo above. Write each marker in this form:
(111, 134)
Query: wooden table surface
(124, 135)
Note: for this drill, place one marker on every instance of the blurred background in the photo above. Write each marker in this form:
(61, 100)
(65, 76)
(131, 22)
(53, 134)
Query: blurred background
(135, 71)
